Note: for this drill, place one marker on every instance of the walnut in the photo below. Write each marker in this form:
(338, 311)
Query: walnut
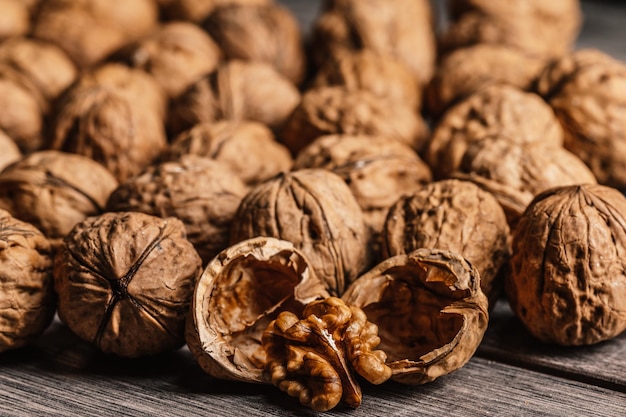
(204, 194)
(230, 142)
(124, 282)
(567, 282)
(429, 309)
(14, 20)
(542, 28)
(177, 54)
(27, 301)
(115, 121)
(314, 209)
(89, 30)
(452, 215)
(55, 190)
(197, 10)
(468, 70)
(501, 110)
(9, 152)
(337, 110)
(241, 290)
(265, 32)
(315, 358)
(237, 90)
(403, 29)
(587, 90)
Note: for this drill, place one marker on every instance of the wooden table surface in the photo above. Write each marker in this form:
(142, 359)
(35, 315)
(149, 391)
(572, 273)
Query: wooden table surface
(511, 375)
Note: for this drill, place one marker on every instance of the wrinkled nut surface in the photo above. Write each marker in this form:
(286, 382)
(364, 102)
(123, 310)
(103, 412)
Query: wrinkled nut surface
(197, 10)
(452, 215)
(314, 209)
(248, 148)
(10, 152)
(429, 309)
(204, 194)
(124, 282)
(316, 356)
(27, 301)
(14, 20)
(567, 282)
(239, 293)
(55, 190)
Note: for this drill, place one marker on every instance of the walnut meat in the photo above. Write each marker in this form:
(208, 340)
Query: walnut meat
(204, 194)
(429, 309)
(567, 282)
(14, 20)
(124, 282)
(197, 10)
(55, 190)
(315, 358)
(241, 290)
(314, 209)
(27, 301)
(9, 152)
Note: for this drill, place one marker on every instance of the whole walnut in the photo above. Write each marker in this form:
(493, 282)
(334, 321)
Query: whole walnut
(248, 148)
(197, 10)
(90, 30)
(236, 90)
(316, 211)
(27, 300)
(203, 193)
(265, 32)
(55, 190)
(337, 110)
(124, 282)
(452, 215)
(542, 28)
(497, 110)
(403, 29)
(567, 282)
(9, 152)
(14, 20)
(177, 54)
(587, 90)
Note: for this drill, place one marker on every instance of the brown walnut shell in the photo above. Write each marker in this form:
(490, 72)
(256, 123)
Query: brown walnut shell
(241, 290)
(9, 152)
(14, 20)
(27, 300)
(125, 281)
(197, 10)
(429, 309)
(567, 282)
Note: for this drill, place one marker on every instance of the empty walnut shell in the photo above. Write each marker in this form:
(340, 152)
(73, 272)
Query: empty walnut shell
(337, 110)
(316, 211)
(55, 190)
(587, 90)
(231, 142)
(429, 309)
(15, 18)
(567, 282)
(9, 152)
(268, 33)
(27, 300)
(125, 281)
(497, 110)
(241, 290)
(197, 10)
(203, 193)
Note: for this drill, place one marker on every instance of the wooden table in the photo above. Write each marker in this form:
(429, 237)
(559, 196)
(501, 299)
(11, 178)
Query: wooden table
(511, 375)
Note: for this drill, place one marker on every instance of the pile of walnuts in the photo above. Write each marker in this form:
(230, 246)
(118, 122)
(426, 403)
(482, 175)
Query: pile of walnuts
(186, 172)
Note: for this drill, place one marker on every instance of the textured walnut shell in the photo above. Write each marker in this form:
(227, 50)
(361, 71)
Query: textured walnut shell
(241, 290)
(15, 18)
(237, 90)
(316, 211)
(472, 68)
(497, 110)
(452, 215)
(27, 301)
(9, 152)
(587, 90)
(248, 148)
(268, 33)
(337, 110)
(124, 282)
(542, 28)
(177, 54)
(567, 282)
(204, 194)
(55, 190)
(429, 309)
(403, 29)
(197, 10)
(90, 30)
